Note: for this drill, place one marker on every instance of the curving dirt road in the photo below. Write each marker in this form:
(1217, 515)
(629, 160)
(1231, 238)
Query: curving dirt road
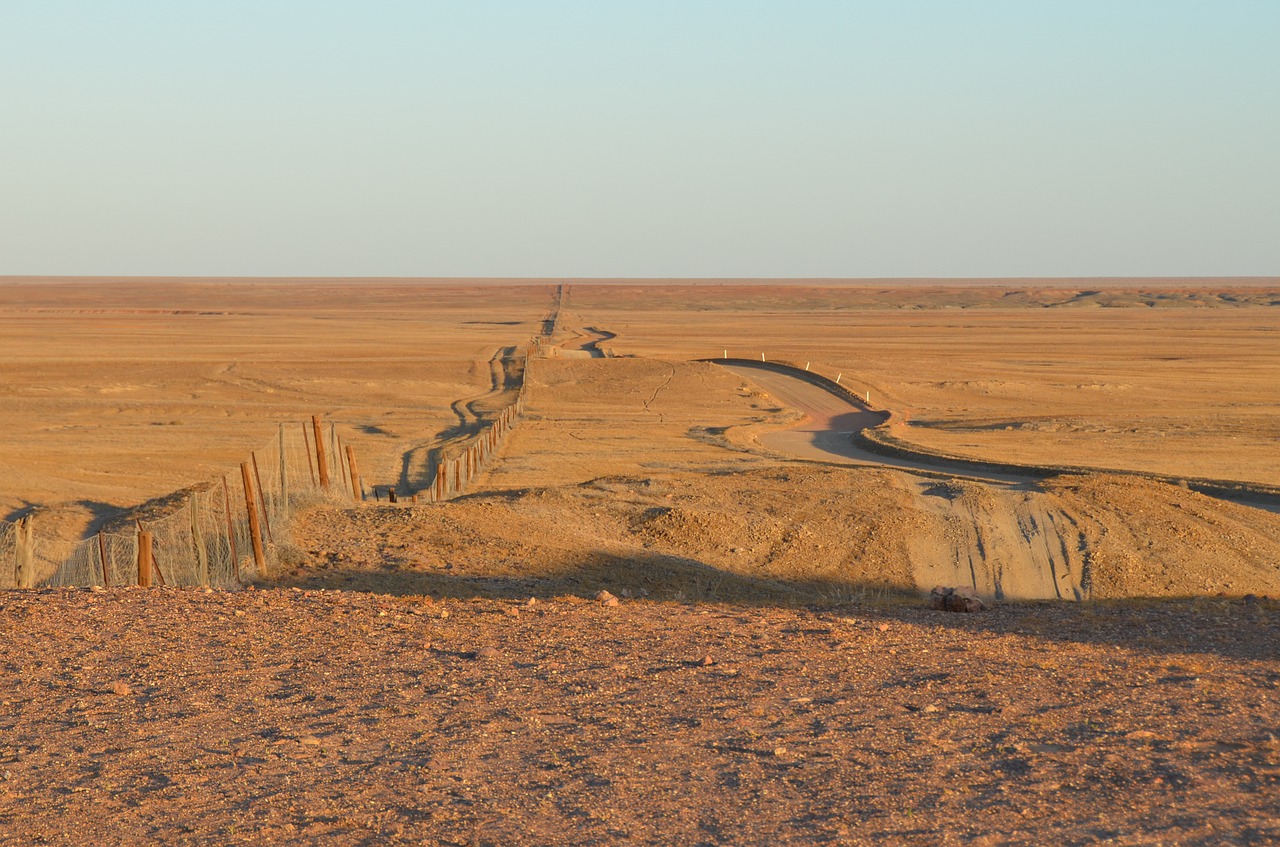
(994, 532)
(830, 421)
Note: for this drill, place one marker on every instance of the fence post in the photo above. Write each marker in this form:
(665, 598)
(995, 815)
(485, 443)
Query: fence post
(311, 463)
(231, 530)
(24, 562)
(283, 505)
(255, 532)
(197, 541)
(262, 497)
(144, 558)
(102, 559)
(322, 462)
(357, 489)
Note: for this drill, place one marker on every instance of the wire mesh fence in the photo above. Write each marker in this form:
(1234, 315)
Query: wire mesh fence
(229, 531)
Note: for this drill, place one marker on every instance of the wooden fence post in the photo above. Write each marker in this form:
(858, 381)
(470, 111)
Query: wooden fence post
(357, 489)
(144, 558)
(283, 505)
(197, 541)
(102, 559)
(255, 532)
(311, 463)
(262, 497)
(322, 462)
(231, 531)
(24, 562)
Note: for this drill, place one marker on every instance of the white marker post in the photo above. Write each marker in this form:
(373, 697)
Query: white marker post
(726, 354)
(762, 357)
(838, 378)
(806, 366)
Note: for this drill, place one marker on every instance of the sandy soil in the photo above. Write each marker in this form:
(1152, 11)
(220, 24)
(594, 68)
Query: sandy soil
(291, 717)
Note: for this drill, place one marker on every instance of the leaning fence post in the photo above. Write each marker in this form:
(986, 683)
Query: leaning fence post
(311, 463)
(357, 490)
(144, 558)
(197, 541)
(262, 497)
(255, 532)
(322, 462)
(102, 559)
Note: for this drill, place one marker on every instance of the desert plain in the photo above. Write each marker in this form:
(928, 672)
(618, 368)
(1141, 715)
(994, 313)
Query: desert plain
(770, 673)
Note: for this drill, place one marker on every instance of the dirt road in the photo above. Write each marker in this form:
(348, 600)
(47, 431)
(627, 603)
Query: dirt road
(829, 424)
(1001, 536)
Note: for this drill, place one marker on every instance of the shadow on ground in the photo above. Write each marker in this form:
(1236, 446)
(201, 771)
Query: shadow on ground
(1237, 628)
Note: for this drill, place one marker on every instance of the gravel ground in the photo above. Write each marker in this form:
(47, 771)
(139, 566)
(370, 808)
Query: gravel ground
(294, 717)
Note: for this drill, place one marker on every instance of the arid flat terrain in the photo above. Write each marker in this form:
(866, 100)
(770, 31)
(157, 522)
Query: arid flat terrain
(443, 673)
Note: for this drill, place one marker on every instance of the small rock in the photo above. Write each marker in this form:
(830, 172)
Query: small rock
(779, 751)
(706, 661)
(604, 598)
(962, 599)
(931, 708)
(485, 654)
(98, 589)
(511, 611)
(884, 627)
(309, 740)
(121, 688)
(532, 601)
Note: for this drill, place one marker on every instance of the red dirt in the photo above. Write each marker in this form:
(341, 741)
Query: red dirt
(292, 717)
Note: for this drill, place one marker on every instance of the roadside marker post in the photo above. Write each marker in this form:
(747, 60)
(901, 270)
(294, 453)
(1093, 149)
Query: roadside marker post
(838, 378)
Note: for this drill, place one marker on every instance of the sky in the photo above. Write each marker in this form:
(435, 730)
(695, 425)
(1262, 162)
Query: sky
(600, 138)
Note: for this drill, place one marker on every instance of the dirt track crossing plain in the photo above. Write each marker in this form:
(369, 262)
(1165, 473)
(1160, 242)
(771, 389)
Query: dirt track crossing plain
(769, 673)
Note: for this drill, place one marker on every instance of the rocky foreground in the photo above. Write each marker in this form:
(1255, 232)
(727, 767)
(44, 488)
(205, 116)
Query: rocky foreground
(296, 717)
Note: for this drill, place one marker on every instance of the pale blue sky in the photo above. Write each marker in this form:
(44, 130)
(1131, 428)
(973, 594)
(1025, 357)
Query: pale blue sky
(647, 138)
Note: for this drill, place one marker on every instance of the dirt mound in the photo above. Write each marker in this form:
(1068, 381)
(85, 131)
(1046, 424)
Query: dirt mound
(1158, 540)
(800, 534)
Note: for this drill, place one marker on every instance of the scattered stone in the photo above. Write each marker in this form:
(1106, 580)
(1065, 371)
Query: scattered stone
(962, 599)
(604, 598)
(511, 611)
(532, 601)
(884, 627)
(121, 688)
(706, 661)
(485, 654)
